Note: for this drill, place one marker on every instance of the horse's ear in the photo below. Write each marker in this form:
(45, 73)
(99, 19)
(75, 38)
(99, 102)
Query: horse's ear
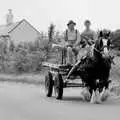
(109, 33)
(100, 34)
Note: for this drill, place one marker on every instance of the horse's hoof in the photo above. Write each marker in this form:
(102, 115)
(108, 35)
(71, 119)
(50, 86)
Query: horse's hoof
(98, 101)
(95, 102)
(95, 99)
(87, 98)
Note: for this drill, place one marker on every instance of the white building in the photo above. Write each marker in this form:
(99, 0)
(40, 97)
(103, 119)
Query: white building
(21, 31)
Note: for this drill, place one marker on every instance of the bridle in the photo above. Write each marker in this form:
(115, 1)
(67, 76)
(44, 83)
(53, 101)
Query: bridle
(97, 50)
(101, 50)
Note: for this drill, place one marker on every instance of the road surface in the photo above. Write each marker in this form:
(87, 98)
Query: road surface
(28, 102)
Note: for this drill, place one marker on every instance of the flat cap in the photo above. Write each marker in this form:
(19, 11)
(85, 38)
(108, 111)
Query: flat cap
(71, 22)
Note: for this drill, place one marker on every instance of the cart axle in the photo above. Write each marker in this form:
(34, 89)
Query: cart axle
(66, 85)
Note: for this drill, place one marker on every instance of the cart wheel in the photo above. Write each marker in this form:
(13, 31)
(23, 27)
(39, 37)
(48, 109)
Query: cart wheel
(58, 86)
(48, 84)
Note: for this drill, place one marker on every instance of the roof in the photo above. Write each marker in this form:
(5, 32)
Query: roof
(6, 29)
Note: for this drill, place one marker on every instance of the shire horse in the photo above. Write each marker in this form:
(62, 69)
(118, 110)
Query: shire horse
(94, 71)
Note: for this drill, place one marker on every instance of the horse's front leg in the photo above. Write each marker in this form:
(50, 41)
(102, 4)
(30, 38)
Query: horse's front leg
(88, 91)
(95, 94)
(105, 91)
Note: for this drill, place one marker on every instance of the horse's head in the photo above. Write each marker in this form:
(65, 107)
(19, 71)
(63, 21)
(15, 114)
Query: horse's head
(102, 45)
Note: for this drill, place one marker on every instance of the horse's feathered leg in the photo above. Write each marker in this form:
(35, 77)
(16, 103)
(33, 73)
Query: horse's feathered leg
(98, 98)
(104, 94)
(95, 98)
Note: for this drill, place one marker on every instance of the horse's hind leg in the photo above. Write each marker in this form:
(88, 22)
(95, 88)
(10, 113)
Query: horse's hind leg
(104, 83)
(105, 90)
(107, 84)
(92, 86)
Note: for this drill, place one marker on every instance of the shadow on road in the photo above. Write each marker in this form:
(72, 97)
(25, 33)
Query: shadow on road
(73, 99)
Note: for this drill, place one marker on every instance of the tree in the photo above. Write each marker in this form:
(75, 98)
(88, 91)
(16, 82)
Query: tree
(116, 39)
(51, 30)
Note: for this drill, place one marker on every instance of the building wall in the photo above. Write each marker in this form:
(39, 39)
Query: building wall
(23, 33)
(4, 41)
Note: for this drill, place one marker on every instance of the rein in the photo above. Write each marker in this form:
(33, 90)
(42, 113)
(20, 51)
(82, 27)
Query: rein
(97, 50)
(103, 53)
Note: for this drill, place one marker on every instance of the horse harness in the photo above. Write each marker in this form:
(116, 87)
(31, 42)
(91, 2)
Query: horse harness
(101, 50)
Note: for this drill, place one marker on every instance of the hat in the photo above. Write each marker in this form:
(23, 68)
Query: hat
(71, 22)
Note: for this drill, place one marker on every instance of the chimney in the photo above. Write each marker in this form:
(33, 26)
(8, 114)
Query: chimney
(9, 17)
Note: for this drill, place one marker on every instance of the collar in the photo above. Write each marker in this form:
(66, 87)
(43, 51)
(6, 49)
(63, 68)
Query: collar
(71, 30)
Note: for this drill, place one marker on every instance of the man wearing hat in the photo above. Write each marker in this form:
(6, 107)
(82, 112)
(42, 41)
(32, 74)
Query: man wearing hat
(88, 35)
(72, 38)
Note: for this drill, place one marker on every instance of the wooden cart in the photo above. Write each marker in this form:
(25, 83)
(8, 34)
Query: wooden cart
(56, 78)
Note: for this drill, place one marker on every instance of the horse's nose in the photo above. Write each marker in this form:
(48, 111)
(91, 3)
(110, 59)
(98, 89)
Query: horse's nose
(105, 52)
(105, 55)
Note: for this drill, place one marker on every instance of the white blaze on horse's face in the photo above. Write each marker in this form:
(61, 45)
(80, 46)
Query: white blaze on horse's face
(105, 49)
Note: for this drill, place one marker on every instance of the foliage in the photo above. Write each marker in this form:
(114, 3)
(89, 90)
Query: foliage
(12, 46)
(116, 39)
(28, 62)
(51, 32)
(24, 57)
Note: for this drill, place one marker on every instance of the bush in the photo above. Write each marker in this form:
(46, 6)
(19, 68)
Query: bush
(21, 61)
(28, 62)
(28, 56)
(116, 39)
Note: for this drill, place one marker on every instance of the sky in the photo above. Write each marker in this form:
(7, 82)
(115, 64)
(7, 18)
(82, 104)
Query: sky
(40, 13)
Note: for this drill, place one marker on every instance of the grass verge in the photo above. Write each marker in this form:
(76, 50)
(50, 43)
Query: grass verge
(35, 79)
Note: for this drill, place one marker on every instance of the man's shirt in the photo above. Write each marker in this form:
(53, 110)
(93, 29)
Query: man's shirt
(89, 34)
(72, 37)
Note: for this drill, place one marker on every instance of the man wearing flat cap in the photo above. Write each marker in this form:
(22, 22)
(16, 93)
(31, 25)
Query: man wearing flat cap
(72, 38)
(88, 35)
